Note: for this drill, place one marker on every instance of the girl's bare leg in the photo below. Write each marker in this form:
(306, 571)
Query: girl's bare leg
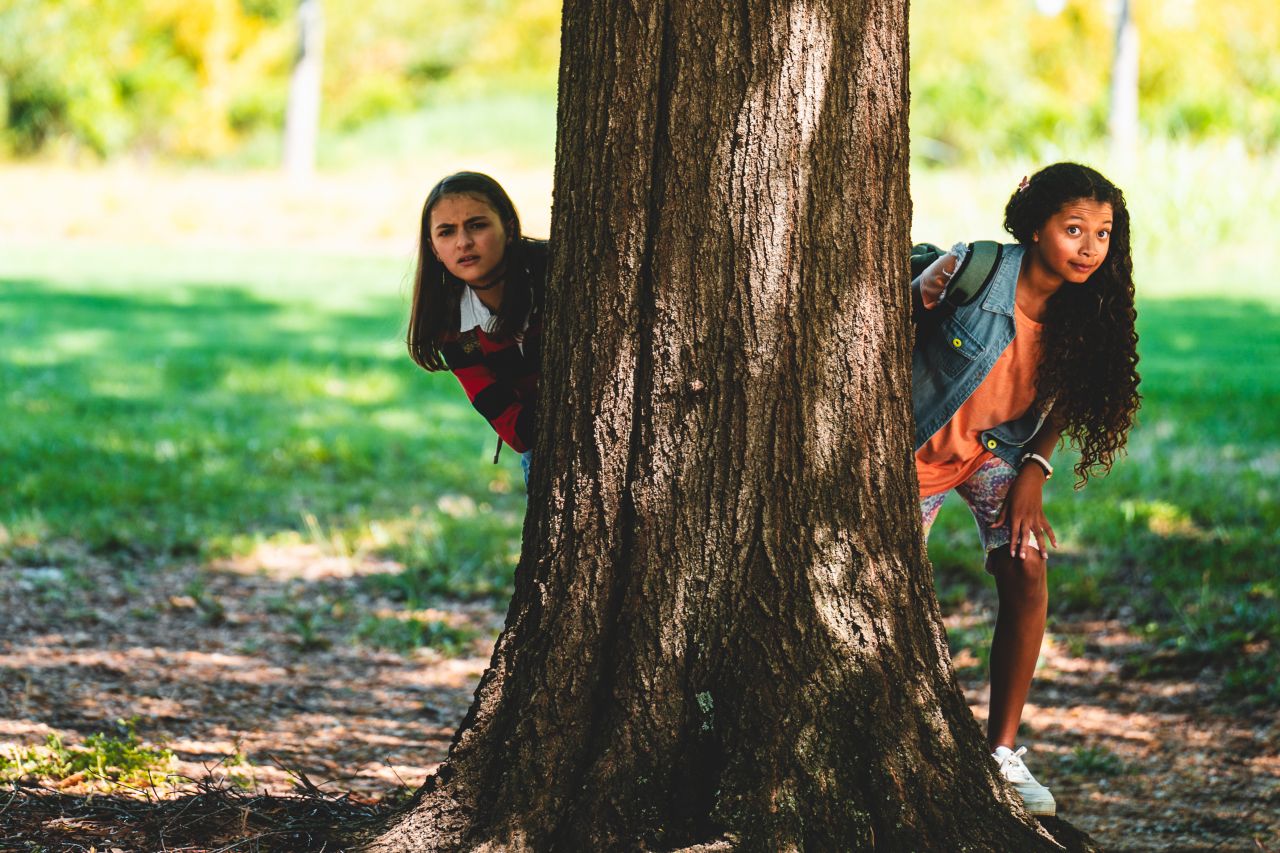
(1015, 647)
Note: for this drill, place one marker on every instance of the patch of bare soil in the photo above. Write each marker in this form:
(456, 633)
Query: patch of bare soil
(253, 673)
(1145, 764)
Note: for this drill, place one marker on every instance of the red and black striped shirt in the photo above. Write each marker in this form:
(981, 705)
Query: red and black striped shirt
(500, 374)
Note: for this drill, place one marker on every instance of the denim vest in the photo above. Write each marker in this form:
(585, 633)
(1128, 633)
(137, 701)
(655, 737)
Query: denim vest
(950, 361)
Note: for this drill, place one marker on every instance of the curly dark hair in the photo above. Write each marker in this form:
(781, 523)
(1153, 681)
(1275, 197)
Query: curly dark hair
(1088, 365)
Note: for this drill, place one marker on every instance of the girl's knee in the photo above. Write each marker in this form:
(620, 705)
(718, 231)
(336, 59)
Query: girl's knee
(1033, 570)
(1029, 573)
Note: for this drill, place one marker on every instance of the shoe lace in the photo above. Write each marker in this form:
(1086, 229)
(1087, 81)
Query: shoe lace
(1013, 769)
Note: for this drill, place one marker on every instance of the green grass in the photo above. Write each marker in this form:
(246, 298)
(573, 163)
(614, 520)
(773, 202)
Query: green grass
(976, 639)
(1092, 762)
(413, 633)
(105, 761)
(195, 404)
(515, 127)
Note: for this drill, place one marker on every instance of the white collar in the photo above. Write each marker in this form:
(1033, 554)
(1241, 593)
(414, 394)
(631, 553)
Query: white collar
(472, 312)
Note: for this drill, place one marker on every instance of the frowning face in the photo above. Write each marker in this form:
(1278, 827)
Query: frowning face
(469, 238)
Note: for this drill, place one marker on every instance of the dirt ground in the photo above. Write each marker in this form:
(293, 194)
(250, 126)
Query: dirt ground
(225, 667)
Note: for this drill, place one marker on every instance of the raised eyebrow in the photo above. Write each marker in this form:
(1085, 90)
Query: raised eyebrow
(1076, 217)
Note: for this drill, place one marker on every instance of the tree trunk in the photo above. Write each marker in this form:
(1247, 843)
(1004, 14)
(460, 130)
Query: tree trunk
(302, 114)
(724, 631)
(1122, 121)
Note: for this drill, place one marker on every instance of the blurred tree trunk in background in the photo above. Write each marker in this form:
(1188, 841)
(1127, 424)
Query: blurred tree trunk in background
(724, 630)
(302, 116)
(1122, 122)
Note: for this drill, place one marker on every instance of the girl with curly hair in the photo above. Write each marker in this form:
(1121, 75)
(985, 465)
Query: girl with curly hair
(477, 303)
(1047, 349)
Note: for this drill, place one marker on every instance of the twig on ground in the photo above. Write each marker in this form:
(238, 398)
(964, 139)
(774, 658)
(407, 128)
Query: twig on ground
(216, 818)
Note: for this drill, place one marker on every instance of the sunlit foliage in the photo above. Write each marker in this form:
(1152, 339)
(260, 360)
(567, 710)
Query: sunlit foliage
(1005, 74)
(194, 77)
(198, 77)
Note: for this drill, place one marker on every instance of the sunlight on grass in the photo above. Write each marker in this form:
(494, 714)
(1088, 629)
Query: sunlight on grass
(80, 343)
(415, 632)
(223, 400)
(237, 424)
(1160, 517)
(299, 382)
(104, 763)
(515, 128)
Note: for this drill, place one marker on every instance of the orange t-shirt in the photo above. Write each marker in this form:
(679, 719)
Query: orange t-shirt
(954, 452)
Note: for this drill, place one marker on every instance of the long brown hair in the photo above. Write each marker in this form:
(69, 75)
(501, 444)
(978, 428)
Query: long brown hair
(437, 294)
(1089, 356)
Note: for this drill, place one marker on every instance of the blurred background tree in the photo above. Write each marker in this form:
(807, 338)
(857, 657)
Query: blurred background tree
(1008, 74)
(203, 78)
(196, 78)
(302, 116)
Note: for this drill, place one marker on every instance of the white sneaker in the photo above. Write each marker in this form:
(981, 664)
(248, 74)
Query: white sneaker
(1035, 797)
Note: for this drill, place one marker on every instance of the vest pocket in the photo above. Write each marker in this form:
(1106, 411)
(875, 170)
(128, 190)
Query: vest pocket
(1019, 431)
(954, 347)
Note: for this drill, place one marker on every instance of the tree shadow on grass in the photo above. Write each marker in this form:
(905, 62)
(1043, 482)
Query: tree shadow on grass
(172, 424)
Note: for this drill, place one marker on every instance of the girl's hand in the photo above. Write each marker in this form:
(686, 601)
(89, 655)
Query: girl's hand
(1024, 511)
(934, 279)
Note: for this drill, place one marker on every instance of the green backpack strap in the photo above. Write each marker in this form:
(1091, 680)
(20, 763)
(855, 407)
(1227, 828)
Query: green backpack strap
(974, 273)
(970, 278)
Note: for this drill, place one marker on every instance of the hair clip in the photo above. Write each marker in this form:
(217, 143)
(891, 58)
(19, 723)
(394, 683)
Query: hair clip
(1023, 184)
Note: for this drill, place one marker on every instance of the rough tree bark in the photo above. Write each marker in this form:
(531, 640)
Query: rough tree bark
(724, 633)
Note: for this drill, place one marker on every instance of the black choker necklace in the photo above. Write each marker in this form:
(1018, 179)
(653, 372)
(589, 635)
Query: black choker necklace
(488, 286)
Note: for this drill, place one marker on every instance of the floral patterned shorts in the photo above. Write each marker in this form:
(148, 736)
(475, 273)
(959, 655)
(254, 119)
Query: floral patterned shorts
(984, 492)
